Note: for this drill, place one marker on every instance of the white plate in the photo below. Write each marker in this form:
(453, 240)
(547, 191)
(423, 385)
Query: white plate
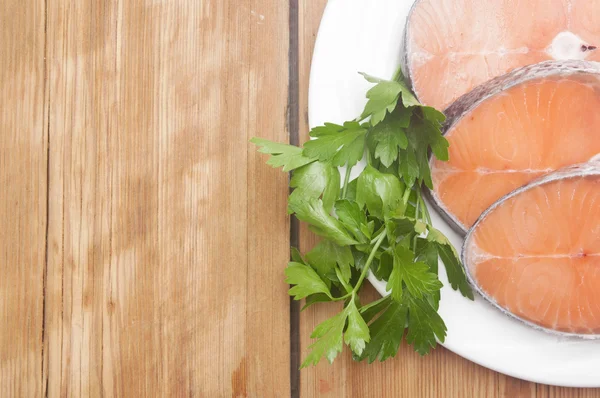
(365, 36)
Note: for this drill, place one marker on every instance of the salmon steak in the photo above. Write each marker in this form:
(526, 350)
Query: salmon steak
(536, 252)
(512, 130)
(452, 46)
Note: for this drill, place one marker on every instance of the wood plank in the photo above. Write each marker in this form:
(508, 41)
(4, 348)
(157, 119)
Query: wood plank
(408, 374)
(163, 278)
(563, 392)
(23, 170)
(323, 380)
(267, 336)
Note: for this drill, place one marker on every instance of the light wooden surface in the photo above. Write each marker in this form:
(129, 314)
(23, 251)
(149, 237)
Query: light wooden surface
(142, 238)
(23, 187)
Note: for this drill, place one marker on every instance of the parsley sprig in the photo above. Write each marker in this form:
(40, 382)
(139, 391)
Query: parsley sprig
(376, 223)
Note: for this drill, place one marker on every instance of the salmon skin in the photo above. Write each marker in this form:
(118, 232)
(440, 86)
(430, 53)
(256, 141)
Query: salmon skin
(512, 130)
(452, 46)
(535, 253)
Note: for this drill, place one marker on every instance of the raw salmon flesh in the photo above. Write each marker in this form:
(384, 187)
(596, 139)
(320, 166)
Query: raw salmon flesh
(536, 253)
(453, 46)
(520, 86)
(514, 129)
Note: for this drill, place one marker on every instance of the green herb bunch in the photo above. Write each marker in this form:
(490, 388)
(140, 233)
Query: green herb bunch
(376, 223)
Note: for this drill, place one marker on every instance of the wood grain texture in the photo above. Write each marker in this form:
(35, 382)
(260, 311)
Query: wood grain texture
(23, 166)
(440, 374)
(163, 277)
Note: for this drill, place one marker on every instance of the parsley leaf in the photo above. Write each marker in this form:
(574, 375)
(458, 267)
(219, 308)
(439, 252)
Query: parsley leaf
(315, 299)
(331, 335)
(361, 258)
(357, 332)
(432, 124)
(353, 218)
(425, 134)
(419, 280)
(342, 145)
(321, 222)
(401, 257)
(306, 281)
(436, 117)
(389, 136)
(351, 190)
(386, 333)
(427, 253)
(316, 180)
(454, 268)
(384, 97)
(296, 256)
(417, 276)
(381, 193)
(288, 156)
(326, 255)
(383, 269)
(399, 227)
(371, 310)
(424, 325)
(330, 340)
(409, 167)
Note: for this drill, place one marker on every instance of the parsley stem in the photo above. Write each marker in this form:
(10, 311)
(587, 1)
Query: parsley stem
(346, 179)
(374, 303)
(425, 210)
(406, 195)
(365, 270)
(397, 75)
(417, 215)
(341, 279)
(375, 239)
(369, 261)
(418, 205)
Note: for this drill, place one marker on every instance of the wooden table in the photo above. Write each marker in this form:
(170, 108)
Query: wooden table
(143, 239)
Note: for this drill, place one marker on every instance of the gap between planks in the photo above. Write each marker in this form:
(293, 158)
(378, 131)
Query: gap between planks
(293, 121)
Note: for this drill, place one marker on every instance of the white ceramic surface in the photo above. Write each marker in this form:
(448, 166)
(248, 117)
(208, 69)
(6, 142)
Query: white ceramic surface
(365, 36)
